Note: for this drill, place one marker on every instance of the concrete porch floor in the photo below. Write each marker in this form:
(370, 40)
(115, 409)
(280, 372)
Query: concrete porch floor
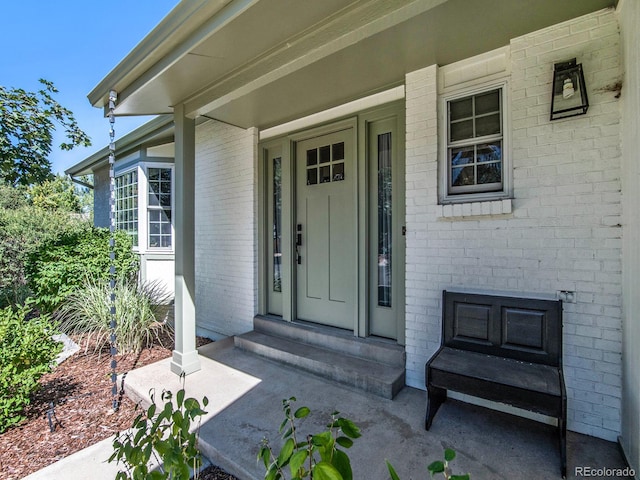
(246, 392)
(245, 395)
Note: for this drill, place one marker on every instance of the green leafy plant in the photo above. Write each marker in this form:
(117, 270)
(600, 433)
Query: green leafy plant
(317, 456)
(23, 229)
(138, 309)
(165, 435)
(59, 266)
(439, 466)
(27, 352)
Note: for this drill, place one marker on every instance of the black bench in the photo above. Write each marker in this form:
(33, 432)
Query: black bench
(503, 349)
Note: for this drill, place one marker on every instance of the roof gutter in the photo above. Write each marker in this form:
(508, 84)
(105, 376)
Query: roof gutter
(140, 135)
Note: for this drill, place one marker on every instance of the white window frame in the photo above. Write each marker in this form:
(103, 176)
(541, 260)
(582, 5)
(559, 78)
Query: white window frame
(138, 177)
(447, 197)
(143, 203)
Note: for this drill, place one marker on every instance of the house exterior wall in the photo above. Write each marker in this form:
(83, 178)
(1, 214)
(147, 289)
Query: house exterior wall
(101, 193)
(225, 236)
(561, 230)
(629, 17)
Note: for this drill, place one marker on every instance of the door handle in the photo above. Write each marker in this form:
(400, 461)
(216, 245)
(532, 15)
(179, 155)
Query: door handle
(298, 243)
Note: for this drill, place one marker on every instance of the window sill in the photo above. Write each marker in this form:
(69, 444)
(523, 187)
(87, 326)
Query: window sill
(474, 209)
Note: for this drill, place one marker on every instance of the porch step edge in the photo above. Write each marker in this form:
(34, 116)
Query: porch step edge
(328, 338)
(373, 377)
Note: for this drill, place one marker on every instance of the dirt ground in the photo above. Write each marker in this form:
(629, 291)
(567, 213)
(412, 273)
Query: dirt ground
(80, 391)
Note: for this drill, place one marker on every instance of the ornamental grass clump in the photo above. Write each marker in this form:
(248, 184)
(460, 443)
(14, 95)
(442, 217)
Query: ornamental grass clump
(139, 314)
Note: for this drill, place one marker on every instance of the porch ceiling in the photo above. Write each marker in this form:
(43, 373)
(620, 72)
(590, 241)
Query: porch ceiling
(264, 62)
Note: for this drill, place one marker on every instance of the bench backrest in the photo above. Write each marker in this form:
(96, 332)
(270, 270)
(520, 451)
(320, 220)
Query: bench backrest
(520, 328)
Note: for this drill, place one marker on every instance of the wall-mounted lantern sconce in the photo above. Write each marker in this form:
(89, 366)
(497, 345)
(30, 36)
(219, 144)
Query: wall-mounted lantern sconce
(569, 95)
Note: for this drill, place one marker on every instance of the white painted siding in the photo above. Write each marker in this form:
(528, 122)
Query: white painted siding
(564, 228)
(629, 16)
(225, 236)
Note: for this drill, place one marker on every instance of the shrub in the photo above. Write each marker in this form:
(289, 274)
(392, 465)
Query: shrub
(27, 352)
(87, 311)
(167, 436)
(23, 229)
(59, 266)
(317, 456)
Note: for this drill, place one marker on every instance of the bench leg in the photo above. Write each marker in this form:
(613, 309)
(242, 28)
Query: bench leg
(562, 437)
(435, 397)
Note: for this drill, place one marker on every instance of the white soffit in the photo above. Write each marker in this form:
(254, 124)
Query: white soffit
(350, 108)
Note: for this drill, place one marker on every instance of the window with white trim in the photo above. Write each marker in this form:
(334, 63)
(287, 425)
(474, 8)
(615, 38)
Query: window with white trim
(159, 207)
(475, 146)
(126, 196)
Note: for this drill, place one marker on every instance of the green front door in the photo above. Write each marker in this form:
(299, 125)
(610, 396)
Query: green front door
(326, 230)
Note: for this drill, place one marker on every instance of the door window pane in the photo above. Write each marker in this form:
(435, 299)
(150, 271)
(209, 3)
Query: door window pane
(384, 220)
(326, 164)
(277, 224)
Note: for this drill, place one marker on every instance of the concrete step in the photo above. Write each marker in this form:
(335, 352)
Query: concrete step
(365, 374)
(342, 341)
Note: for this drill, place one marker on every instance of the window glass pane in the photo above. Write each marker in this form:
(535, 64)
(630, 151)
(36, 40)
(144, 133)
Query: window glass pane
(462, 176)
(338, 172)
(461, 156)
(462, 108)
(489, 173)
(384, 219)
(488, 125)
(461, 130)
(325, 154)
(159, 212)
(338, 151)
(472, 164)
(126, 204)
(312, 157)
(312, 176)
(488, 102)
(325, 174)
(277, 224)
(490, 152)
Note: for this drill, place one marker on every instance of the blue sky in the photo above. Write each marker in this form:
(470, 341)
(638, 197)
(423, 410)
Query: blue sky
(74, 43)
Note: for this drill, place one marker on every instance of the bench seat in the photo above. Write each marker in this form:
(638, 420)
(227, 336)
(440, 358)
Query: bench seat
(525, 385)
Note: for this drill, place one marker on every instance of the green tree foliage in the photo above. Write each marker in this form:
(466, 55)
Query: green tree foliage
(58, 193)
(27, 352)
(61, 265)
(27, 123)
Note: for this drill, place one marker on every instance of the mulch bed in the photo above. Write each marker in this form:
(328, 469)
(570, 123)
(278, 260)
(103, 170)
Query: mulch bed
(80, 389)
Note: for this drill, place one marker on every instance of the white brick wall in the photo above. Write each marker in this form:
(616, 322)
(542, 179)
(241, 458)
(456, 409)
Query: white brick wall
(225, 237)
(564, 229)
